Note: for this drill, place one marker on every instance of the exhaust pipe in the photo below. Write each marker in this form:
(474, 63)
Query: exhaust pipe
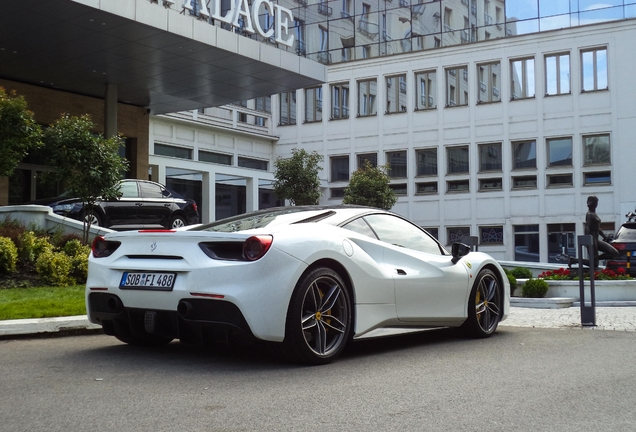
(114, 304)
(184, 309)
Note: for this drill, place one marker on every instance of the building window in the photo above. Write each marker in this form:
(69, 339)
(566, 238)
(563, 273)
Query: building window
(340, 101)
(396, 94)
(522, 82)
(490, 235)
(559, 180)
(425, 86)
(433, 231)
(457, 158)
(220, 158)
(559, 152)
(457, 86)
(490, 184)
(299, 27)
(489, 157)
(457, 234)
(288, 108)
(526, 243)
(252, 163)
(561, 242)
(336, 193)
(371, 157)
(489, 76)
(594, 69)
(399, 189)
(524, 154)
(426, 162)
(557, 74)
(339, 168)
(397, 164)
(524, 182)
(426, 188)
(459, 186)
(597, 150)
(264, 104)
(597, 178)
(173, 151)
(313, 104)
(367, 91)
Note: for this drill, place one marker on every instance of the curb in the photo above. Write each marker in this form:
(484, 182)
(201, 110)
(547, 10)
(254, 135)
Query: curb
(542, 303)
(48, 326)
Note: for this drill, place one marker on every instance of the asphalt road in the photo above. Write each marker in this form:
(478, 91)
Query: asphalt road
(521, 379)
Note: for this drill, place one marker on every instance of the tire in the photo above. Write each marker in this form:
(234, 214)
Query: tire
(484, 306)
(177, 222)
(318, 319)
(95, 219)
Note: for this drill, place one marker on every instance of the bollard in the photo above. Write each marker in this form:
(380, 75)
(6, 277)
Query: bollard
(588, 313)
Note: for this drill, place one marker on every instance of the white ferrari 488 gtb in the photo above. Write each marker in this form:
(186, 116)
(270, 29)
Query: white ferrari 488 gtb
(310, 278)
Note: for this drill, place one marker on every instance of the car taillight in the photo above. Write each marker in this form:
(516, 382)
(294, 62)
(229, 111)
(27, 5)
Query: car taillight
(102, 248)
(619, 246)
(195, 207)
(256, 246)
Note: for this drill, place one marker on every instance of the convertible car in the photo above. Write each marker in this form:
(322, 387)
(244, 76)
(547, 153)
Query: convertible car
(311, 279)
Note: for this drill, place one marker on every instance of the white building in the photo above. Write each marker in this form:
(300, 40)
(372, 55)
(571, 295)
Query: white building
(501, 135)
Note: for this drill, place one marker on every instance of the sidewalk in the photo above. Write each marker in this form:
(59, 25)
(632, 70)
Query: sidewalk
(620, 316)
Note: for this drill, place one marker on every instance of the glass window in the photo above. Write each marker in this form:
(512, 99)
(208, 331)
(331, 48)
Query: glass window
(457, 86)
(557, 74)
(397, 164)
(457, 160)
(151, 190)
(522, 82)
(173, 151)
(561, 242)
(490, 157)
(597, 150)
(489, 75)
(399, 232)
(337, 193)
(288, 108)
(367, 91)
(559, 152)
(457, 234)
(340, 101)
(339, 168)
(399, 189)
(425, 88)
(524, 182)
(371, 157)
(422, 188)
(252, 163)
(458, 186)
(396, 94)
(313, 104)
(129, 189)
(489, 235)
(264, 104)
(594, 69)
(490, 184)
(559, 180)
(526, 243)
(361, 227)
(597, 177)
(426, 162)
(220, 158)
(524, 154)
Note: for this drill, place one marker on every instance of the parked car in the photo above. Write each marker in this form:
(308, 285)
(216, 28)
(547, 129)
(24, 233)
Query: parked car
(143, 204)
(625, 243)
(309, 278)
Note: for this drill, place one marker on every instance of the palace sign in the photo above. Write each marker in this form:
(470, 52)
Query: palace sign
(246, 17)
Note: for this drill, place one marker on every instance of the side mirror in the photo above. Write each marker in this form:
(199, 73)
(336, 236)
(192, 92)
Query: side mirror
(459, 250)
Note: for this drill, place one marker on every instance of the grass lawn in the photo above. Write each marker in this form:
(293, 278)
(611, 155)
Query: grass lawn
(42, 302)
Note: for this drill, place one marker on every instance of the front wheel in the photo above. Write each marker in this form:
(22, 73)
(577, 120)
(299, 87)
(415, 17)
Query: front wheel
(484, 306)
(319, 318)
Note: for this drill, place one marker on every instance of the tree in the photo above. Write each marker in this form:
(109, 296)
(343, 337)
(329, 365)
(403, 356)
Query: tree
(297, 177)
(369, 186)
(87, 163)
(19, 132)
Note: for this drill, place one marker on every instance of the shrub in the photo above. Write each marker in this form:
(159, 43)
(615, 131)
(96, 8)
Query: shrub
(522, 273)
(511, 280)
(79, 259)
(60, 239)
(8, 255)
(54, 268)
(534, 288)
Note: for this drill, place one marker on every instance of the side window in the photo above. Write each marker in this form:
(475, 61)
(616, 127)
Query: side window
(129, 190)
(361, 227)
(396, 231)
(149, 190)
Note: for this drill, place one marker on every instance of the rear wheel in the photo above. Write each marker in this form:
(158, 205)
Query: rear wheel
(93, 219)
(319, 318)
(177, 222)
(484, 306)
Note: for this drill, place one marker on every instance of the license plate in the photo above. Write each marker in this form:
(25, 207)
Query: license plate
(148, 281)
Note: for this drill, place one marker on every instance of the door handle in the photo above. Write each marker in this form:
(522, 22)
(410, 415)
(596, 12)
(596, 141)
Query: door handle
(400, 272)
(138, 204)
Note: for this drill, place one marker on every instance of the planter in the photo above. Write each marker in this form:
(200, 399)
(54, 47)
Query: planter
(605, 290)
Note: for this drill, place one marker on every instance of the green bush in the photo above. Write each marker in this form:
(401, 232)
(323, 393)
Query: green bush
(8, 255)
(54, 268)
(60, 238)
(521, 273)
(512, 281)
(31, 246)
(79, 258)
(534, 288)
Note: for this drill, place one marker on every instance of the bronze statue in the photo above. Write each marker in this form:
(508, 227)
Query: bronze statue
(593, 228)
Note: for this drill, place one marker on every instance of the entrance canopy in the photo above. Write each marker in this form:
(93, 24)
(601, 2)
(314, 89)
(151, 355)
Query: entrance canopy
(156, 55)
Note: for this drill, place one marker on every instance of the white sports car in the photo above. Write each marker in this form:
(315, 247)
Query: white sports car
(310, 278)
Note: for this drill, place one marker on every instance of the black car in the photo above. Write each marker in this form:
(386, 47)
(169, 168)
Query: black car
(143, 204)
(625, 243)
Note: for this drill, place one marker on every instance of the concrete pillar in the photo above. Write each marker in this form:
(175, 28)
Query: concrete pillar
(251, 194)
(110, 111)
